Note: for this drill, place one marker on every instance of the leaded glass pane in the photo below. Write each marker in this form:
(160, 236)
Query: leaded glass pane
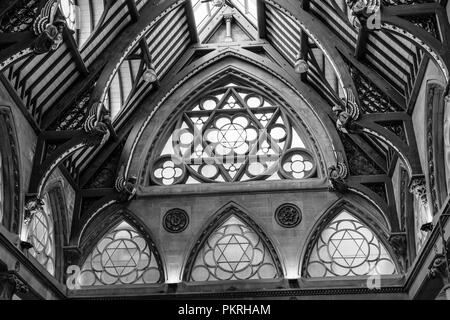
(121, 257)
(41, 236)
(233, 252)
(232, 134)
(347, 247)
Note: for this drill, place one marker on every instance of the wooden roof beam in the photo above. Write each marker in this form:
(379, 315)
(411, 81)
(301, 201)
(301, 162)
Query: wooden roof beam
(191, 22)
(132, 9)
(73, 48)
(261, 16)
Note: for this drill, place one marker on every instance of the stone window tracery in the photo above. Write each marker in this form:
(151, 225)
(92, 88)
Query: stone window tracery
(232, 134)
(233, 252)
(122, 256)
(347, 247)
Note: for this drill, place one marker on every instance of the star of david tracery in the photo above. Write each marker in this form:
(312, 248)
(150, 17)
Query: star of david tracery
(346, 247)
(121, 257)
(232, 134)
(233, 252)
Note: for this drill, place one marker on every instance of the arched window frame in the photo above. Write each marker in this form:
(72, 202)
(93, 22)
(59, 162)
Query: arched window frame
(221, 80)
(9, 152)
(216, 221)
(366, 218)
(104, 222)
(54, 192)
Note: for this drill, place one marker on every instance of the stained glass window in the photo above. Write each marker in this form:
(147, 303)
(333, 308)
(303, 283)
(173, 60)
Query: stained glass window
(41, 236)
(233, 252)
(347, 247)
(232, 134)
(121, 257)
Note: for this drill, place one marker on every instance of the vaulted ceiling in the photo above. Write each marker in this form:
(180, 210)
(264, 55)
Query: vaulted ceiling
(105, 59)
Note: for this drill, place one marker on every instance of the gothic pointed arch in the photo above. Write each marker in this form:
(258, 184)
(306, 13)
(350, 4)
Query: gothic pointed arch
(221, 120)
(117, 249)
(347, 242)
(9, 172)
(232, 247)
(47, 228)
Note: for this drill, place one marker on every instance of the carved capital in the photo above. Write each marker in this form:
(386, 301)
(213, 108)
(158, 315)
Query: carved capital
(418, 187)
(336, 178)
(10, 284)
(346, 116)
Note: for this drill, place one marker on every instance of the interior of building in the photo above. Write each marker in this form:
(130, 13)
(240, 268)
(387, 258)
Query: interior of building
(224, 149)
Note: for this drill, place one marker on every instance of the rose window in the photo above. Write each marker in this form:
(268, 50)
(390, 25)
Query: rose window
(232, 134)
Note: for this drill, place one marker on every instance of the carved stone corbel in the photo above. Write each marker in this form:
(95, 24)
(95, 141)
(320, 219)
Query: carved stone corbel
(346, 116)
(49, 27)
(418, 187)
(125, 186)
(363, 13)
(336, 178)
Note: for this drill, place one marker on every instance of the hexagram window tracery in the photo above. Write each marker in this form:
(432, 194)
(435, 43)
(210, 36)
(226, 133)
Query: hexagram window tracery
(233, 252)
(232, 134)
(347, 247)
(122, 256)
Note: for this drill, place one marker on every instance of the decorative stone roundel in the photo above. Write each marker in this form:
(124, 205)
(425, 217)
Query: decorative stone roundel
(175, 221)
(288, 215)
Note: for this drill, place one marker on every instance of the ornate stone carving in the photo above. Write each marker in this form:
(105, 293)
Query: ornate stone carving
(98, 125)
(20, 17)
(125, 186)
(288, 215)
(10, 284)
(176, 221)
(32, 206)
(336, 178)
(346, 116)
(48, 26)
(362, 12)
(418, 187)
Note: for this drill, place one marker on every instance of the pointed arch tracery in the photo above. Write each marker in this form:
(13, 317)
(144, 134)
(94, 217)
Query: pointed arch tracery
(233, 133)
(119, 250)
(344, 244)
(299, 156)
(232, 247)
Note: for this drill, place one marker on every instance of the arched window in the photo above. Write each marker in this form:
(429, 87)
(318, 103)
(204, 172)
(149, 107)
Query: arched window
(41, 235)
(233, 251)
(232, 134)
(122, 256)
(347, 247)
